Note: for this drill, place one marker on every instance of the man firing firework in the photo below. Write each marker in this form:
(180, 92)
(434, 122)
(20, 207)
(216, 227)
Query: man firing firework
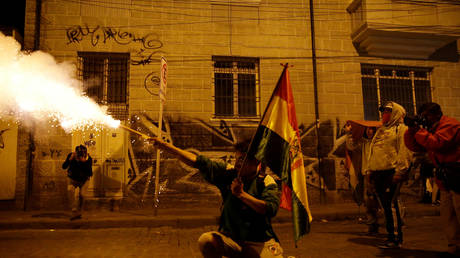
(250, 200)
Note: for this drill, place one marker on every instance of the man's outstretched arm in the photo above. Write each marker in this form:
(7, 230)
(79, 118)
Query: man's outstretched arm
(183, 155)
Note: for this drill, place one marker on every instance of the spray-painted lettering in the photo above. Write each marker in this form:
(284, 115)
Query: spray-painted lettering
(151, 82)
(53, 153)
(49, 186)
(2, 143)
(98, 34)
(145, 59)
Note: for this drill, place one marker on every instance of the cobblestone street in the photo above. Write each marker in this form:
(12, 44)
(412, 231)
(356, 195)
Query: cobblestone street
(423, 238)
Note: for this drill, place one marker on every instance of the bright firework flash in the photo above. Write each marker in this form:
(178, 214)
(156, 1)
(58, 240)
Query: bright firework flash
(35, 86)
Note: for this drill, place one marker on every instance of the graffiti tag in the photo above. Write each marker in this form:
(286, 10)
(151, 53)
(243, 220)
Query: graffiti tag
(142, 59)
(52, 153)
(98, 34)
(151, 82)
(49, 186)
(2, 143)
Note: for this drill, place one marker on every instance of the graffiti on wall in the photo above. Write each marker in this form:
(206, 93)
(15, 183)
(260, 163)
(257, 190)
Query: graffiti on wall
(152, 83)
(102, 35)
(149, 46)
(2, 143)
(143, 57)
(196, 135)
(8, 154)
(331, 174)
(49, 186)
(52, 153)
(215, 140)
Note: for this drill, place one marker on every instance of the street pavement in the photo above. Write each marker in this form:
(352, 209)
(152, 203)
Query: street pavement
(185, 217)
(340, 238)
(336, 231)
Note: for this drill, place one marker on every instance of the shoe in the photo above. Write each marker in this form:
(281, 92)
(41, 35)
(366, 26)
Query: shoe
(372, 230)
(390, 244)
(76, 216)
(399, 238)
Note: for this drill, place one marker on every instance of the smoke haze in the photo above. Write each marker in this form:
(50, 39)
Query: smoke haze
(33, 85)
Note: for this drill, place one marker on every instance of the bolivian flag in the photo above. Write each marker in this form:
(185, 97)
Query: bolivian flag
(277, 144)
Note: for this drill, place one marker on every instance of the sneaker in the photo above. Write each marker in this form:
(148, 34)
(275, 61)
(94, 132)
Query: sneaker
(390, 245)
(399, 239)
(76, 216)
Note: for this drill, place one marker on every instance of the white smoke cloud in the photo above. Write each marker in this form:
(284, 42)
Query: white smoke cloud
(34, 85)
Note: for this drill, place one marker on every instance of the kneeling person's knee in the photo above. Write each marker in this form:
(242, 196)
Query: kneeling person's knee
(207, 241)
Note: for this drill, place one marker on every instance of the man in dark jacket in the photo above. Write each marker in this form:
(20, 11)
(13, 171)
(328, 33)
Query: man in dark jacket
(439, 135)
(250, 199)
(79, 170)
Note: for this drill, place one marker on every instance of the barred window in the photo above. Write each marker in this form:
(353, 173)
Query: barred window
(105, 79)
(236, 87)
(408, 86)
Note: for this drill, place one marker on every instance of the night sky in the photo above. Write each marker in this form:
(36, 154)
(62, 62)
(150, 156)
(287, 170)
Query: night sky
(12, 14)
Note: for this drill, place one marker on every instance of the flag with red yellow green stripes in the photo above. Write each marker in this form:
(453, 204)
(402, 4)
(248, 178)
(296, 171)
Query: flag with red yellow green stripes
(277, 144)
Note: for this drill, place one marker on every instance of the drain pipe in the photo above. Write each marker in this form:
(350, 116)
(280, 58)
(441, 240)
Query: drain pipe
(31, 151)
(315, 91)
(38, 14)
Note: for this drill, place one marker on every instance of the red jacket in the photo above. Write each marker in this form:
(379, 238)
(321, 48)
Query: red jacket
(442, 142)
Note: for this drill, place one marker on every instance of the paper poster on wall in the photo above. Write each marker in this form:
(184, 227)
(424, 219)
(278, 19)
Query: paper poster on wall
(8, 157)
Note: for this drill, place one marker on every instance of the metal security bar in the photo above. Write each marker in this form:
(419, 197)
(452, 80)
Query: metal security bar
(105, 78)
(236, 87)
(407, 86)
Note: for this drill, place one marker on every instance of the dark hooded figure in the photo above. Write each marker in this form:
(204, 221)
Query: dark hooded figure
(79, 170)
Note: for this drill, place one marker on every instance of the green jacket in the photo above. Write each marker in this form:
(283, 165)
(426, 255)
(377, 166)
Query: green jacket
(238, 220)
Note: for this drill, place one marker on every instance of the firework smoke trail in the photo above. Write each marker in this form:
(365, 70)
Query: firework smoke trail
(34, 85)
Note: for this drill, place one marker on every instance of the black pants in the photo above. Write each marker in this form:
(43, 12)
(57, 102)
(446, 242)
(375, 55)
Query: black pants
(387, 192)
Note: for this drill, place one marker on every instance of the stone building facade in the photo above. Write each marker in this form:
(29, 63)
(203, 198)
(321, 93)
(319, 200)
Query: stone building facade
(223, 62)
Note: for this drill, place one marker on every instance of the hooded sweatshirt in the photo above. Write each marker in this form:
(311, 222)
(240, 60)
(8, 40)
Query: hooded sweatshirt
(387, 148)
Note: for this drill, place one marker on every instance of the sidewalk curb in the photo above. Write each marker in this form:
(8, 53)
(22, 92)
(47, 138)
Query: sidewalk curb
(173, 219)
(110, 223)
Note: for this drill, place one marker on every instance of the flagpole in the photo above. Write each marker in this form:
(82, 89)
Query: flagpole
(263, 116)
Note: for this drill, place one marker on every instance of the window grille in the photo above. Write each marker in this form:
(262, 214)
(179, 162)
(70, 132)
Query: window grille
(408, 86)
(105, 78)
(236, 87)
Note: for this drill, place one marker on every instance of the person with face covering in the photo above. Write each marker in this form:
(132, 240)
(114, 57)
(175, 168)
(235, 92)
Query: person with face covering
(439, 135)
(250, 199)
(79, 170)
(388, 164)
